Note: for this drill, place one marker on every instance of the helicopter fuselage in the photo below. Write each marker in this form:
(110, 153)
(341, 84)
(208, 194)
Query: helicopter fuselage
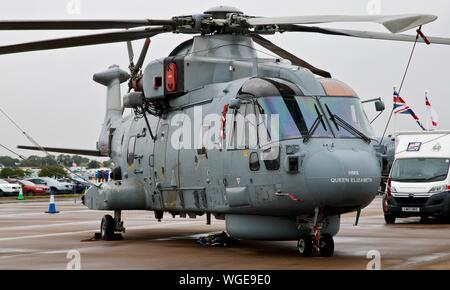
(266, 187)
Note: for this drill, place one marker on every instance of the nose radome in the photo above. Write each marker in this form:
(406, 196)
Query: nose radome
(342, 178)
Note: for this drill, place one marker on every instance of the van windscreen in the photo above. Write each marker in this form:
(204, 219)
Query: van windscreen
(420, 169)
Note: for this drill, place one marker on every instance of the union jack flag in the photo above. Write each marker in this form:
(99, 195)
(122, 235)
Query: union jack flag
(400, 107)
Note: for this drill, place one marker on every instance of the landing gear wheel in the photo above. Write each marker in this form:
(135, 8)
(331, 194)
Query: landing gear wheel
(107, 228)
(304, 246)
(390, 219)
(326, 245)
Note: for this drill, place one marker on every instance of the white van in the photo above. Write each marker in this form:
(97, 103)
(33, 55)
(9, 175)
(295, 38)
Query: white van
(419, 183)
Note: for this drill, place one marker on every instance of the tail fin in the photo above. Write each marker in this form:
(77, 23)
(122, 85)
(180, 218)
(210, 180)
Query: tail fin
(111, 78)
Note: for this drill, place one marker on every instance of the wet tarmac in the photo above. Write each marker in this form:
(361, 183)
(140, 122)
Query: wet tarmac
(32, 239)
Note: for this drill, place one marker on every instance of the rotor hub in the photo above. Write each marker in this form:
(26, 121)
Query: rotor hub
(220, 12)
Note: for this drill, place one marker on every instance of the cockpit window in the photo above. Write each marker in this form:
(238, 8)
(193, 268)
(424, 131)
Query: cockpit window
(286, 117)
(350, 110)
(296, 116)
(276, 106)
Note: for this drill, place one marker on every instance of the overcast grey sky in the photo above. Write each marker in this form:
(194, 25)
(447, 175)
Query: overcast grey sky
(52, 96)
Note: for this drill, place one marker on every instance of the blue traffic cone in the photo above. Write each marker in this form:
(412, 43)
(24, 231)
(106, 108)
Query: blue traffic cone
(51, 205)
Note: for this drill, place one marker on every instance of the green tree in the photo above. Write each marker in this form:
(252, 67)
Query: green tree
(36, 161)
(32, 161)
(8, 161)
(81, 161)
(64, 159)
(108, 163)
(93, 164)
(53, 170)
(12, 172)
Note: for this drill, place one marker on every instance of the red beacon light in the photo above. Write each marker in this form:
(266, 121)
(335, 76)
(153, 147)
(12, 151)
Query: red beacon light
(171, 77)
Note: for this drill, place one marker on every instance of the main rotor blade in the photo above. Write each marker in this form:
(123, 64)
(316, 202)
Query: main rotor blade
(394, 23)
(86, 152)
(78, 24)
(130, 52)
(364, 34)
(141, 58)
(83, 40)
(267, 44)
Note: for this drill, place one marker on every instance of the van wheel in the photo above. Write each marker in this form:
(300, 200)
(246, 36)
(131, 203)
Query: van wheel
(389, 219)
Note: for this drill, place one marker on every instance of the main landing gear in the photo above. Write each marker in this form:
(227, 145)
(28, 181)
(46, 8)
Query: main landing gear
(111, 228)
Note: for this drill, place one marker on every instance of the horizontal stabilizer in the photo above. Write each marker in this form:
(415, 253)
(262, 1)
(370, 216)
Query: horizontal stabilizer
(63, 150)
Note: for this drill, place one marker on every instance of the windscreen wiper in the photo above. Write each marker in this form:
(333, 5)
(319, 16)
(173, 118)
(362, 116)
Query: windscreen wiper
(314, 126)
(410, 180)
(437, 177)
(339, 121)
(332, 118)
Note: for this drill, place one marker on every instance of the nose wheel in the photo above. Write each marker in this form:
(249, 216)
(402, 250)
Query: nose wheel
(307, 246)
(109, 226)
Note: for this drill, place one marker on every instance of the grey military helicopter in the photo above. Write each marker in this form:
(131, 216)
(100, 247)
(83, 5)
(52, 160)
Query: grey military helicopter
(302, 156)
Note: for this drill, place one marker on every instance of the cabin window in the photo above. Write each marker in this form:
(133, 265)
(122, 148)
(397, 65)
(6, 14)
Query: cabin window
(151, 160)
(131, 148)
(271, 157)
(244, 128)
(254, 161)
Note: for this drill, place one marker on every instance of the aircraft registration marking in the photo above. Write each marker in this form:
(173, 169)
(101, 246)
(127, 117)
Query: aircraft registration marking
(351, 180)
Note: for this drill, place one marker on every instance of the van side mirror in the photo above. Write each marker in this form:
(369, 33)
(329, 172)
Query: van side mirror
(379, 106)
(234, 104)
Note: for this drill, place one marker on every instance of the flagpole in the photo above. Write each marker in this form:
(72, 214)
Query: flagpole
(395, 117)
(427, 112)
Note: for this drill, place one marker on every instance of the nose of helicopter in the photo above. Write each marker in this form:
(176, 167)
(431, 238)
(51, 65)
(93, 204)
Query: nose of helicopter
(342, 178)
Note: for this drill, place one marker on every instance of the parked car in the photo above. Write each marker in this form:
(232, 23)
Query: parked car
(53, 184)
(29, 188)
(8, 189)
(79, 184)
